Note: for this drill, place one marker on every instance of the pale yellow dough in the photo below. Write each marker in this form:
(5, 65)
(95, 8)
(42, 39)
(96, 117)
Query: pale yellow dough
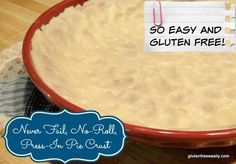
(93, 56)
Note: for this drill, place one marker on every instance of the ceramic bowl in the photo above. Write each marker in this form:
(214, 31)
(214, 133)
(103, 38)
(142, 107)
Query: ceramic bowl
(145, 135)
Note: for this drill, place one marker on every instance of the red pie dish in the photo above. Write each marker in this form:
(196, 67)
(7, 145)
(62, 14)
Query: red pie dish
(145, 135)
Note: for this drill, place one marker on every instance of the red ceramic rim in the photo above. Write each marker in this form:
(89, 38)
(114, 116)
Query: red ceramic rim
(57, 99)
